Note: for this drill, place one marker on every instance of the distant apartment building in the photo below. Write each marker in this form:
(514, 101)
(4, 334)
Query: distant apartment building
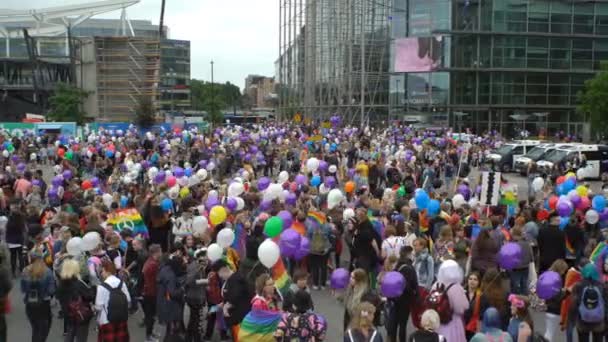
(261, 90)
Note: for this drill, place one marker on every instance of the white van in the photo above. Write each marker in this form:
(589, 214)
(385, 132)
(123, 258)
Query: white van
(504, 157)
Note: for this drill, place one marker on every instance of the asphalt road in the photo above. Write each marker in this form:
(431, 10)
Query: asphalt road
(19, 328)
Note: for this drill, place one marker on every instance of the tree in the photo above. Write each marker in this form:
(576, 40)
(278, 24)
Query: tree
(593, 100)
(145, 115)
(206, 96)
(66, 104)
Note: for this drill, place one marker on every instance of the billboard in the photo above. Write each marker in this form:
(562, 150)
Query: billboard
(418, 54)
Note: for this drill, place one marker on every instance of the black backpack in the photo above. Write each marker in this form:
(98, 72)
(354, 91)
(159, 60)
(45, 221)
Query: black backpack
(118, 305)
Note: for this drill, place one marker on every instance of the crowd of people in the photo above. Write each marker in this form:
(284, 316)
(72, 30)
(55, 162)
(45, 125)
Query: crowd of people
(231, 232)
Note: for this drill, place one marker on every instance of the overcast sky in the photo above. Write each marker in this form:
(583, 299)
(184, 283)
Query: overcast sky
(241, 36)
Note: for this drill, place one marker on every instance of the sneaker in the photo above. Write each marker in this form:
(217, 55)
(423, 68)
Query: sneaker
(315, 287)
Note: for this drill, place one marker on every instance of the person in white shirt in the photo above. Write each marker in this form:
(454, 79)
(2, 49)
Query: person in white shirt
(182, 226)
(392, 244)
(110, 331)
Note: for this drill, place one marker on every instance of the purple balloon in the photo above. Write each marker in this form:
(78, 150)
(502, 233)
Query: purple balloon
(211, 202)
(330, 182)
(339, 279)
(263, 183)
(57, 180)
(351, 173)
(286, 217)
(549, 285)
(178, 172)
(95, 182)
(253, 149)
(509, 256)
(604, 215)
(67, 174)
(159, 178)
(21, 166)
(393, 284)
(576, 200)
(53, 192)
(301, 179)
(304, 249)
(203, 164)
(36, 182)
(265, 205)
(563, 209)
(289, 242)
(231, 204)
(292, 199)
(323, 165)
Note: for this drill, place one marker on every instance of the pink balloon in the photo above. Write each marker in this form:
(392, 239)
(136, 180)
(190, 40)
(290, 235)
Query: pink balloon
(171, 181)
(585, 203)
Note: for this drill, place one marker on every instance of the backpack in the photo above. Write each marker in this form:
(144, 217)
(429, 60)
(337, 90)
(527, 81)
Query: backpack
(295, 333)
(319, 242)
(79, 311)
(118, 305)
(438, 300)
(591, 308)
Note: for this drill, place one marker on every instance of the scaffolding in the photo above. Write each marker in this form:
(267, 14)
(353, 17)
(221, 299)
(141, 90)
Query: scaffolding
(127, 69)
(334, 59)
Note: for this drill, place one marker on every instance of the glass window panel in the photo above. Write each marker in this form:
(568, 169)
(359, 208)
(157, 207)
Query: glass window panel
(538, 42)
(583, 8)
(561, 28)
(561, 7)
(601, 8)
(559, 43)
(537, 79)
(582, 44)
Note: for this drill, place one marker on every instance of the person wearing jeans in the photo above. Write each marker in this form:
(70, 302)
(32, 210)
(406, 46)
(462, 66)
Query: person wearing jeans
(519, 275)
(318, 269)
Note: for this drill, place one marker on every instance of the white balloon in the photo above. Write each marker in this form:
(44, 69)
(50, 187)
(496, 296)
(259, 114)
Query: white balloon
(174, 192)
(274, 190)
(240, 203)
(213, 193)
(33, 156)
(127, 179)
(323, 189)
(347, 214)
(592, 216)
(168, 173)
(268, 253)
(200, 224)
(183, 181)
(458, 201)
(117, 154)
(235, 189)
(334, 198)
(194, 180)
(202, 174)
(152, 172)
(107, 200)
(5, 154)
(283, 177)
(90, 241)
(473, 202)
(312, 164)
(214, 252)
(210, 166)
(332, 169)
(538, 183)
(74, 246)
(225, 237)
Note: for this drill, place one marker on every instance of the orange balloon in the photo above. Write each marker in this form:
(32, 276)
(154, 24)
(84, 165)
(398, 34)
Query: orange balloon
(60, 152)
(349, 187)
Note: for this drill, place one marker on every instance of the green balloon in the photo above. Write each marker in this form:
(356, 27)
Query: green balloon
(401, 191)
(273, 227)
(69, 155)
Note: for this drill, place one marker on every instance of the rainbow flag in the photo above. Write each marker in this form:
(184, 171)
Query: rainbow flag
(317, 218)
(259, 326)
(128, 218)
(378, 225)
(570, 248)
(299, 227)
(598, 251)
(423, 221)
(239, 240)
(282, 280)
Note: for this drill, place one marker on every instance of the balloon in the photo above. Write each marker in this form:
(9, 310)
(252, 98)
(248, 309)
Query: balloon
(235, 189)
(604, 215)
(283, 177)
(569, 184)
(212, 201)
(269, 253)
(214, 252)
(289, 242)
(347, 214)
(312, 164)
(422, 199)
(538, 183)
(95, 182)
(304, 249)
(563, 209)
(200, 225)
(581, 174)
(61, 152)
(57, 180)
(166, 204)
(553, 202)
(217, 215)
(286, 217)
(90, 241)
(330, 182)
(434, 207)
(301, 179)
(560, 180)
(582, 191)
(349, 187)
(67, 174)
(393, 284)
(86, 185)
(585, 203)
(509, 256)
(273, 226)
(333, 169)
(178, 172)
(291, 199)
(549, 285)
(263, 183)
(171, 181)
(240, 203)
(334, 198)
(339, 279)
(599, 203)
(184, 192)
(231, 204)
(315, 181)
(74, 246)
(202, 174)
(225, 237)
(592, 216)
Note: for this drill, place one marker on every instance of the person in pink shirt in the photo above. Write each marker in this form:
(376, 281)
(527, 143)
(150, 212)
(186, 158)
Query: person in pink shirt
(265, 298)
(23, 185)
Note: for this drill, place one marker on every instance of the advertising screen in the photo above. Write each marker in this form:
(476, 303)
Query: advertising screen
(418, 54)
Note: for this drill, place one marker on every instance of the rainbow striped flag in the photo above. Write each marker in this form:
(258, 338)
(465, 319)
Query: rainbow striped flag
(598, 251)
(378, 225)
(259, 326)
(299, 227)
(570, 248)
(282, 280)
(239, 240)
(128, 218)
(317, 218)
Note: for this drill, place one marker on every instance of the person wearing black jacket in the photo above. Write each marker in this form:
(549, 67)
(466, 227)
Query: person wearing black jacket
(235, 294)
(71, 288)
(551, 243)
(399, 312)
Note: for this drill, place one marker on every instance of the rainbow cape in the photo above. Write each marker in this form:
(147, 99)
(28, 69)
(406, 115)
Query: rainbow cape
(128, 218)
(259, 326)
(598, 251)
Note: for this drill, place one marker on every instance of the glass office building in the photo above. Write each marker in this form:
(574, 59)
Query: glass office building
(495, 64)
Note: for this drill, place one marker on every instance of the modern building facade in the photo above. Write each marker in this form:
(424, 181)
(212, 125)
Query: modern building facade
(495, 64)
(261, 90)
(175, 75)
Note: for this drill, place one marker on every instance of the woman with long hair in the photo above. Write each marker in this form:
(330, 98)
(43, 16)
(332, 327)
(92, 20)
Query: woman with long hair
(483, 252)
(38, 287)
(15, 238)
(472, 316)
(265, 294)
(494, 294)
(76, 297)
(357, 288)
(520, 326)
(552, 315)
(361, 328)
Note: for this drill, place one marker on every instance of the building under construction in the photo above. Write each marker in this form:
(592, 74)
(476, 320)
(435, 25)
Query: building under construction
(334, 59)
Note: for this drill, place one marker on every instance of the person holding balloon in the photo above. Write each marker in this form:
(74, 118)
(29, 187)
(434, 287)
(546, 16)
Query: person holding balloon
(552, 315)
(399, 307)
